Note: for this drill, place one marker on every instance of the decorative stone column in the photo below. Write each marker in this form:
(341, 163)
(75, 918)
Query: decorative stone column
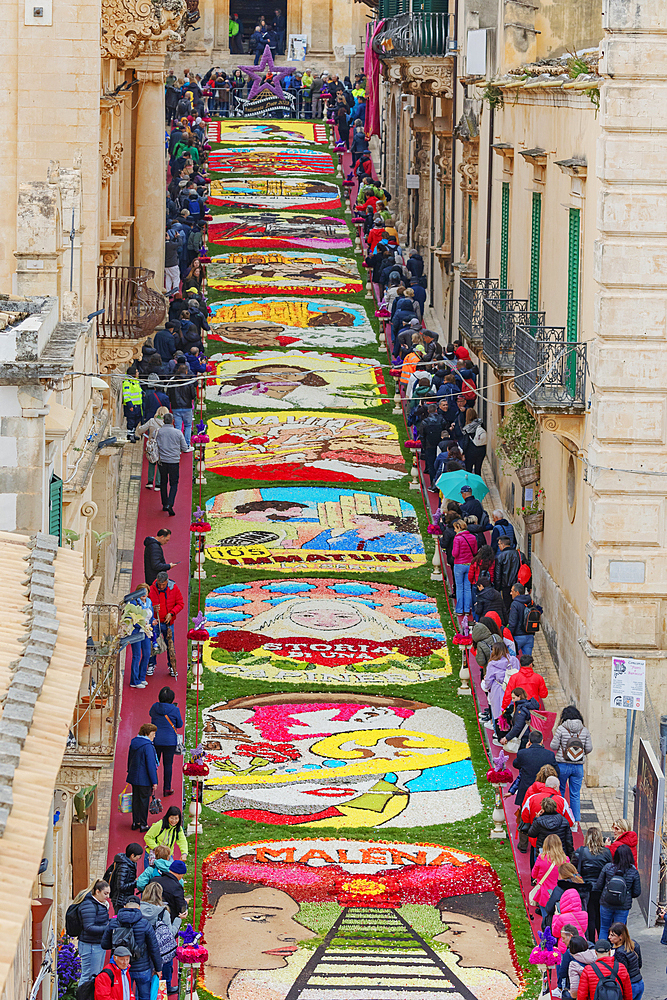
(149, 168)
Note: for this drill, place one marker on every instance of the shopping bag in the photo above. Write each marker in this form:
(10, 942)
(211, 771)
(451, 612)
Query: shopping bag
(125, 801)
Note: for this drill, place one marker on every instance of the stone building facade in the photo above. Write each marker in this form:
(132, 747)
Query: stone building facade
(557, 200)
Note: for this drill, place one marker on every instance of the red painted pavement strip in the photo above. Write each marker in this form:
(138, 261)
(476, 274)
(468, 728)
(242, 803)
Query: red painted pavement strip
(136, 703)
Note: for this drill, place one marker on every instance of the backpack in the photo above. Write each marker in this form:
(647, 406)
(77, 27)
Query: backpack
(608, 987)
(86, 991)
(468, 390)
(122, 936)
(73, 922)
(195, 241)
(152, 453)
(615, 893)
(479, 440)
(165, 939)
(507, 531)
(193, 206)
(573, 751)
(531, 619)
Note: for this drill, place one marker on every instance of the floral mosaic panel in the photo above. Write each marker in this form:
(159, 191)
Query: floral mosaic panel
(321, 447)
(316, 919)
(302, 529)
(282, 230)
(326, 631)
(285, 271)
(264, 159)
(274, 192)
(285, 322)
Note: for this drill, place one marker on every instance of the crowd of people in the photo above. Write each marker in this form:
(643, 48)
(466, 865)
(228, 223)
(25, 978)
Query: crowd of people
(585, 895)
(316, 94)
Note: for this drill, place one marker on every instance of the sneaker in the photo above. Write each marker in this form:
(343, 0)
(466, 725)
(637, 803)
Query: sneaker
(191, 448)
(136, 685)
(144, 684)
(486, 715)
(489, 725)
(150, 671)
(556, 992)
(171, 512)
(497, 743)
(149, 486)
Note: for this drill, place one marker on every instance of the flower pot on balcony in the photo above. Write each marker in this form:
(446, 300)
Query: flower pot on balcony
(528, 474)
(534, 522)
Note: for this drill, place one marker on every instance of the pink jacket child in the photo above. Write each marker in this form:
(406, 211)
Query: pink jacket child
(541, 866)
(571, 912)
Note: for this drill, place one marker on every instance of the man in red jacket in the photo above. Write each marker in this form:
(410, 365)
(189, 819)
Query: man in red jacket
(606, 965)
(113, 982)
(532, 682)
(167, 603)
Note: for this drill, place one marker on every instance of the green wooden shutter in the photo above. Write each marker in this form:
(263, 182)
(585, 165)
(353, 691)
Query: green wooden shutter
(535, 239)
(573, 276)
(504, 233)
(56, 508)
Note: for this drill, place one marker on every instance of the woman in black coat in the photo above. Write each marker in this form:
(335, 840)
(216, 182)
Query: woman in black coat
(94, 916)
(590, 860)
(549, 821)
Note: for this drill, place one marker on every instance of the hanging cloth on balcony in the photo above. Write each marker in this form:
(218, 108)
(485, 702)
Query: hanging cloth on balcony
(372, 71)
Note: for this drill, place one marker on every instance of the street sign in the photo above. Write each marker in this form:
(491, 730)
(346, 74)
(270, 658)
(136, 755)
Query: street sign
(628, 682)
(413, 181)
(349, 50)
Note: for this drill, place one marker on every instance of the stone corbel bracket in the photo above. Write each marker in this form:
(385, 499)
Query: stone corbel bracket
(128, 25)
(29, 671)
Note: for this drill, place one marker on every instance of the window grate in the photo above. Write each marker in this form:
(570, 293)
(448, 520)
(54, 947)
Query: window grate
(535, 241)
(504, 233)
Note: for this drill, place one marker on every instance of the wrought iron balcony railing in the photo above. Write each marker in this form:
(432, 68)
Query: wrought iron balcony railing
(131, 310)
(421, 34)
(502, 315)
(550, 368)
(97, 713)
(472, 293)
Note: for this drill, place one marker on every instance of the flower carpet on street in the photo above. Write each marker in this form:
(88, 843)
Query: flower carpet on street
(301, 529)
(274, 192)
(295, 380)
(357, 915)
(326, 709)
(264, 159)
(280, 230)
(273, 270)
(325, 447)
(325, 630)
(290, 322)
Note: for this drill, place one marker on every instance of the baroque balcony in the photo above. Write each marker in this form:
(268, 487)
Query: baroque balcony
(502, 315)
(551, 369)
(472, 292)
(410, 35)
(132, 311)
(94, 726)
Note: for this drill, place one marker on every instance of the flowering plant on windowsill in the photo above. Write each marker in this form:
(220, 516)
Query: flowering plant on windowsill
(535, 506)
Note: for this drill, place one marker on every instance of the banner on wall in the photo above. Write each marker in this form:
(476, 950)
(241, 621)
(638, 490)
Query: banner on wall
(298, 46)
(265, 105)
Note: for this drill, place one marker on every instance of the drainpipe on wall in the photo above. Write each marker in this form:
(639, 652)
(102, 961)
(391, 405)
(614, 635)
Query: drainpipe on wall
(453, 196)
(39, 908)
(489, 196)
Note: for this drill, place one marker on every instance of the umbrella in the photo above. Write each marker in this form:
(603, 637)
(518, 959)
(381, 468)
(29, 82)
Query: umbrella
(450, 484)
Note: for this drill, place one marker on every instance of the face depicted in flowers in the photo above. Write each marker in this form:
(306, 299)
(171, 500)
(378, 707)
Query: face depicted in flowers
(248, 927)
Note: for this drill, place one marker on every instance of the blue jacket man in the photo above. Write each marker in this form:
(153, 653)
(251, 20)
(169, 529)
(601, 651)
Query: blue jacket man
(142, 774)
(146, 957)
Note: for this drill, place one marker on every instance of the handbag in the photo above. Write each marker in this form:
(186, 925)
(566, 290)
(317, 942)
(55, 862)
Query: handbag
(514, 787)
(533, 894)
(152, 453)
(125, 801)
(160, 645)
(155, 986)
(156, 806)
(179, 739)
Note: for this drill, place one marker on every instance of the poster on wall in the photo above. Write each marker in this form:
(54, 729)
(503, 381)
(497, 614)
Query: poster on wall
(649, 806)
(298, 46)
(310, 919)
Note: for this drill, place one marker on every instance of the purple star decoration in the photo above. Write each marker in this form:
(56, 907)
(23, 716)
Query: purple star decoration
(198, 621)
(266, 65)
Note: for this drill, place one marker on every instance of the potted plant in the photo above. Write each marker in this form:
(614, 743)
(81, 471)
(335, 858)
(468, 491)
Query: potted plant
(533, 513)
(519, 435)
